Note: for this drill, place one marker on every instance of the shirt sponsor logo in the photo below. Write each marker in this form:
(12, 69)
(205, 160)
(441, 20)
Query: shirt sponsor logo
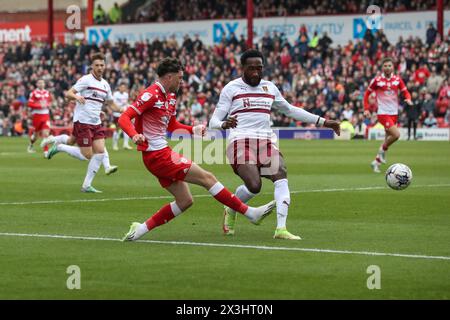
(146, 96)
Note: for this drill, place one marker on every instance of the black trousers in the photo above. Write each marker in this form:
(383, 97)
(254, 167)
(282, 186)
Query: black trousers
(412, 122)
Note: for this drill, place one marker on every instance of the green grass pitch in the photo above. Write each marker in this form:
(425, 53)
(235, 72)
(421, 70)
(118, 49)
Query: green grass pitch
(337, 204)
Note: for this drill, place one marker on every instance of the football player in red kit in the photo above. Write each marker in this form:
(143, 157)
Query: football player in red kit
(386, 87)
(154, 114)
(39, 102)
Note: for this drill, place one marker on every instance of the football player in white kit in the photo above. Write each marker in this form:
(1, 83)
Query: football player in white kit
(244, 107)
(121, 99)
(91, 92)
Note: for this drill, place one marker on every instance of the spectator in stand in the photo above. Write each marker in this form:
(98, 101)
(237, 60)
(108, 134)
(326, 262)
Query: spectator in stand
(115, 14)
(99, 15)
(434, 82)
(431, 35)
(421, 74)
(447, 118)
(443, 100)
(428, 104)
(430, 121)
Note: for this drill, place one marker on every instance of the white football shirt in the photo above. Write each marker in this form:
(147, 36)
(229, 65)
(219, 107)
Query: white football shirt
(252, 106)
(96, 92)
(121, 100)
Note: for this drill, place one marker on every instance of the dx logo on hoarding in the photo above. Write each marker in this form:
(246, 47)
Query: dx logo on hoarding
(223, 29)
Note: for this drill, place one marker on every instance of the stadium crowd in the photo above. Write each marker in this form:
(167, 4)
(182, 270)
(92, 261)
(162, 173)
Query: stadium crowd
(312, 73)
(172, 10)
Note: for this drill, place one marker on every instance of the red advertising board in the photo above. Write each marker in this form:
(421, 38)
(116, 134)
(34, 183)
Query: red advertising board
(19, 27)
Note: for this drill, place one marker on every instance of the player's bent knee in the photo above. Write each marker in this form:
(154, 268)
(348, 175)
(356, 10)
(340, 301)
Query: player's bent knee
(209, 178)
(254, 187)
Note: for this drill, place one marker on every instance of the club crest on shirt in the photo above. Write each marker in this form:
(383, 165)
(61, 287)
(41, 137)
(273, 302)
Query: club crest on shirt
(246, 102)
(159, 104)
(265, 88)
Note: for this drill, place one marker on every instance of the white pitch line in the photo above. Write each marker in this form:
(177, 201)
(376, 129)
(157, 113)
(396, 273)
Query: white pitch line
(224, 245)
(207, 195)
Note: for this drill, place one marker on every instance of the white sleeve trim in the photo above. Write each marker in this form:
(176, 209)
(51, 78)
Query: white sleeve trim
(135, 109)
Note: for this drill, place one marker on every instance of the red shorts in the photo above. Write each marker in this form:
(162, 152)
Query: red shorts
(261, 152)
(116, 121)
(86, 133)
(387, 120)
(167, 165)
(41, 122)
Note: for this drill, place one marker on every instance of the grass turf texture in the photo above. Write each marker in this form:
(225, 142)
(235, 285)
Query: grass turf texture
(413, 221)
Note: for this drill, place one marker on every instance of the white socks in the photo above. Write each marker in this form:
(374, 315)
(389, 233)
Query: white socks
(243, 194)
(126, 138)
(105, 160)
(63, 138)
(115, 138)
(283, 200)
(94, 165)
(71, 150)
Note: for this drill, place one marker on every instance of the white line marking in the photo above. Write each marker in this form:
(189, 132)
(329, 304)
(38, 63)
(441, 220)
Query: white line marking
(208, 195)
(224, 245)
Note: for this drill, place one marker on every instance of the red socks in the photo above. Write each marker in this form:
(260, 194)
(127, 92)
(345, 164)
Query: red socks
(221, 194)
(164, 215)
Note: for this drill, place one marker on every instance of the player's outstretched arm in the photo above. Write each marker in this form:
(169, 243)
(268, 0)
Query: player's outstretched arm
(332, 124)
(305, 116)
(114, 107)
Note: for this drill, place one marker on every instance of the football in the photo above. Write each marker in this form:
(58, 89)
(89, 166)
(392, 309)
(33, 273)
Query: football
(398, 176)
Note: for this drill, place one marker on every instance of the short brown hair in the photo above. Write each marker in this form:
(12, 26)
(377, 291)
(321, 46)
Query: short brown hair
(168, 65)
(97, 56)
(387, 59)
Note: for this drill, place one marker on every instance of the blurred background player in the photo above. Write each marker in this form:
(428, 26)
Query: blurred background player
(91, 92)
(155, 114)
(40, 101)
(251, 149)
(386, 86)
(121, 99)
